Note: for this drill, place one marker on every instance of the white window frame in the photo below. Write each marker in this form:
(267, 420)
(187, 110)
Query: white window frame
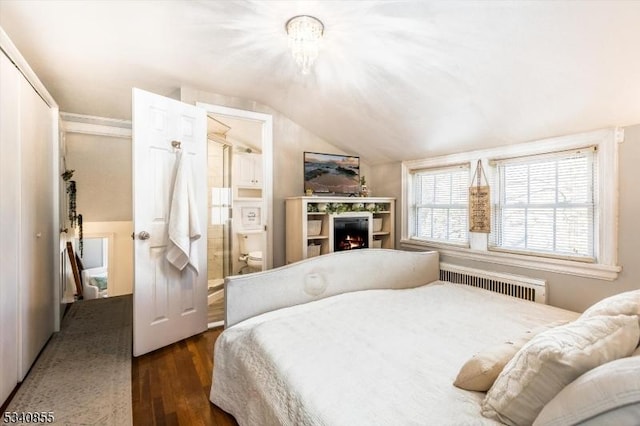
(497, 198)
(606, 235)
(412, 219)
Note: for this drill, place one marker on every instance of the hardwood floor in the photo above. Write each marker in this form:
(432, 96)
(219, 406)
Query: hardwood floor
(171, 386)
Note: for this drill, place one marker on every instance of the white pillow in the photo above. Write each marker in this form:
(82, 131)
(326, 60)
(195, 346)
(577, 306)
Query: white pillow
(552, 360)
(623, 416)
(627, 303)
(483, 368)
(608, 393)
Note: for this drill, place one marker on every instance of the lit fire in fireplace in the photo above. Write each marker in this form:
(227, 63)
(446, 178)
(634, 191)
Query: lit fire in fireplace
(350, 233)
(352, 242)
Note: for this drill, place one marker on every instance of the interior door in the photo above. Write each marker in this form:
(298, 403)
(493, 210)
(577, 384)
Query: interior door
(168, 304)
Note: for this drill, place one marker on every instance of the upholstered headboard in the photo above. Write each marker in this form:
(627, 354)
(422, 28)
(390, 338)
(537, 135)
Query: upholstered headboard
(323, 276)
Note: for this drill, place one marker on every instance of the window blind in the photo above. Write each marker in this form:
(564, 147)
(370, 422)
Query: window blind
(441, 203)
(547, 204)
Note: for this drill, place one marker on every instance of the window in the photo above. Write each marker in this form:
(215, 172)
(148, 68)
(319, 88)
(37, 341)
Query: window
(440, 210)
(546, 204)
(554, 205)
(220, 205)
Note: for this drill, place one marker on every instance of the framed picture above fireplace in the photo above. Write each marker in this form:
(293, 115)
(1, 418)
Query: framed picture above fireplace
(331, 174)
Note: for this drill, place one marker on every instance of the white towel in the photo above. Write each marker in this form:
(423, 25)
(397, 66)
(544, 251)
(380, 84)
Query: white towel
(184, 226)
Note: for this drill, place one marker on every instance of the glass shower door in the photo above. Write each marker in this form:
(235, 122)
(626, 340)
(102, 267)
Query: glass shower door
(219, 242)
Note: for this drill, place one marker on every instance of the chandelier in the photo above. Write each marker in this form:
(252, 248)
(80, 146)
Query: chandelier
(305, 33)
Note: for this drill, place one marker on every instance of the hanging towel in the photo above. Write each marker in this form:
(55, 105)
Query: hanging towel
(184, 227)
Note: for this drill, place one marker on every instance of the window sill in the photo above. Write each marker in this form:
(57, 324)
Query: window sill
(432, 243)
(559, 266)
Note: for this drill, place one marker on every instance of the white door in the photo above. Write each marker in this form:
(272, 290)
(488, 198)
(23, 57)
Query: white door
(168, 304)
(9, 232)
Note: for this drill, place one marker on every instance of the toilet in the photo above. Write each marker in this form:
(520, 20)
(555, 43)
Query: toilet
(250, 244)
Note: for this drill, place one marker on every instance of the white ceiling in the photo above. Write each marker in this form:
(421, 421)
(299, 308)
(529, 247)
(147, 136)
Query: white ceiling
(243, 134)
(395, 79)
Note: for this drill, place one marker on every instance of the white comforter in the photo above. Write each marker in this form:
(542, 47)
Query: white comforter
(377, 357)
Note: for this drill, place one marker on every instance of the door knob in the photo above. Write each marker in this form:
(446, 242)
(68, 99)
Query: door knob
(144, 235)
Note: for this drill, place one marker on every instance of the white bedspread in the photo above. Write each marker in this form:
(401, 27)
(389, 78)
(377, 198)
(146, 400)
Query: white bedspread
(377, 357)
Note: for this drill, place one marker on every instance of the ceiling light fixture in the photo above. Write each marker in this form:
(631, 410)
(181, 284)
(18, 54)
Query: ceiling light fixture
(305, 33)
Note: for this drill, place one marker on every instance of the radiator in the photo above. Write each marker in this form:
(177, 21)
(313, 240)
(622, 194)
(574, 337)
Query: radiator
(527, 288)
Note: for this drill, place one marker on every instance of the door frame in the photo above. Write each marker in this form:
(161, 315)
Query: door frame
(266, 121)
(91, 126)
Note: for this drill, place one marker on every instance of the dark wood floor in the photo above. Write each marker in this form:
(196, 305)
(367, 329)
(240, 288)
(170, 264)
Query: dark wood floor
(171, 386)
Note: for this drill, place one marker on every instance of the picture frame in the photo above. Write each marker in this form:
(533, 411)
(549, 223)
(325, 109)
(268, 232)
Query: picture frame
(480, 209)
(331, 174)
(251, 217)
(480, 202)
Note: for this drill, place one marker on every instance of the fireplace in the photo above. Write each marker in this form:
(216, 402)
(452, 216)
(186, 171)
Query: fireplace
(350, 233)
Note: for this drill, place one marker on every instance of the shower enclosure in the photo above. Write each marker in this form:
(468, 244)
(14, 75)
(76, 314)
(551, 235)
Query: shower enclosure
(219, 232)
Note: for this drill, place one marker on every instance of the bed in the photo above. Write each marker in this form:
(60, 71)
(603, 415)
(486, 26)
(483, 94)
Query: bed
(373, 337)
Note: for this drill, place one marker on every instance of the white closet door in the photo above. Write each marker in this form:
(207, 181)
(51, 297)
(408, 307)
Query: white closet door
(36, 227)
(9, 233)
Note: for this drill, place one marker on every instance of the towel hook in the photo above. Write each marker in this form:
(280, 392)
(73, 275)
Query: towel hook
(175, 144)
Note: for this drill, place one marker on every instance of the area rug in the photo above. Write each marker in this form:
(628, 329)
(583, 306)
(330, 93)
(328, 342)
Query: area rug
(83, 375)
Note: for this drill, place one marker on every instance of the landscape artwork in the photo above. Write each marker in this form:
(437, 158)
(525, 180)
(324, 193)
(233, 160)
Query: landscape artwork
(331, 174)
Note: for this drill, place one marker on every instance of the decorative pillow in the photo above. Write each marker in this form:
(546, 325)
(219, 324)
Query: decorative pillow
(479, 372)
(552, 360)
(637, 352)
(627, 303)
(609, 390)
(99, 281)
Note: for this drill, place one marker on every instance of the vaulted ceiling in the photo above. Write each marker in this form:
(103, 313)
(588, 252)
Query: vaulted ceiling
(394, 80)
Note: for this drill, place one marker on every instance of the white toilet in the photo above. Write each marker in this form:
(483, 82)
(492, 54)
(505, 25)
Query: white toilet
(250, 244)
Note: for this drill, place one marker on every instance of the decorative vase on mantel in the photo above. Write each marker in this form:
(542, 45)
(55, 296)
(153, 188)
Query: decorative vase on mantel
(364, 191)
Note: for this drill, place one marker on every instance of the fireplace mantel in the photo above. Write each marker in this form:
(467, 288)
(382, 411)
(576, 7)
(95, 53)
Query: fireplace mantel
(310, 223)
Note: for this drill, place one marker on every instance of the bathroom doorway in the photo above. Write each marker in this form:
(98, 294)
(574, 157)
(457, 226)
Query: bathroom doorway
(239, 187)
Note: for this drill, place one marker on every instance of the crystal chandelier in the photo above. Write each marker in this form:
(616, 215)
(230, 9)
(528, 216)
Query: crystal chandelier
(305, 33)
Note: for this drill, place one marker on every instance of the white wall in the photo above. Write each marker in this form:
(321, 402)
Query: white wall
(566, 291)
(102, 167)
(290, 140)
